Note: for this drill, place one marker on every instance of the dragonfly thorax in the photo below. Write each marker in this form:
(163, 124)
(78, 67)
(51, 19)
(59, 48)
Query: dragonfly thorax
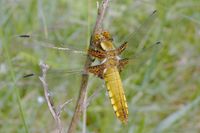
(107, 45)
(111, 62)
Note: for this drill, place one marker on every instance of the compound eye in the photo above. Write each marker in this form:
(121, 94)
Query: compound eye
(107, 35)
(96, 37)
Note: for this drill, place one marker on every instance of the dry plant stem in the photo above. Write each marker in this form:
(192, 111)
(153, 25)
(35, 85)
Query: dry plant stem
(60, 107)
(100, 16)
(52, 109)
(84, 113)
(83, 88)
(93, 96)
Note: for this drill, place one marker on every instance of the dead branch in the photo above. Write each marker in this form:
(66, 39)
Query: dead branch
(61, 107)
(83, 88)
(55, 113)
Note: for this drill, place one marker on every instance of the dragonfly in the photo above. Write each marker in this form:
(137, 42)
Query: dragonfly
(111, 64)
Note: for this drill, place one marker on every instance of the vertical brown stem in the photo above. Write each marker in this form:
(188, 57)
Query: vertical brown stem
(83, 88)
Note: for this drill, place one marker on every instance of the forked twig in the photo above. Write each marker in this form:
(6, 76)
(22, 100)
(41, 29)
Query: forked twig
(61, 107)
(55, 113)
(49, 101)
(83, 88)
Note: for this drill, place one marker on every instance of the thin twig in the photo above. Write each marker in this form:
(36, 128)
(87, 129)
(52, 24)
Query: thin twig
(49, 101)
(84, 112)
(60, 107)
(83, 88)
(94, 95)
(100, 16)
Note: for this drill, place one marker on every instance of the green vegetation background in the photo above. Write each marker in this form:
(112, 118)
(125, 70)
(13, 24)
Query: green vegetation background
(162, 94)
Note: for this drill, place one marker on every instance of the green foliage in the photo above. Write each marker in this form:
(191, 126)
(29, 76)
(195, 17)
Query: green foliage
(162, 87)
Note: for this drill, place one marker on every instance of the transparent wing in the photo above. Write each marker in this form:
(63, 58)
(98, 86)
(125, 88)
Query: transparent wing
(140, 37)
(65, 61)
(47, 44)
(142, 62)
(53, 73)
(53, 76)
(140, 46)
(33, 48)
(141, 58)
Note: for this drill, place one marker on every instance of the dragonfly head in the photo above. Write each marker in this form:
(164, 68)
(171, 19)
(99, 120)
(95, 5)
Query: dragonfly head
(103, 40)
(106, 35)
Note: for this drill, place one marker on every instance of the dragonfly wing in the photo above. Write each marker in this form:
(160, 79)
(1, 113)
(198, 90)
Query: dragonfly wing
(63, 61)
(138, 60)
(138, 51)
(47, 44)
(136, 38)
(32, 48)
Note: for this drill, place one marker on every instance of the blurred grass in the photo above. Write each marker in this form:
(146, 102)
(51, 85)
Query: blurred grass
(163, 94)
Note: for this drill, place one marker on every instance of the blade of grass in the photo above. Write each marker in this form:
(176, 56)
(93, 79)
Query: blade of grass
(172, 118)
(15, 89)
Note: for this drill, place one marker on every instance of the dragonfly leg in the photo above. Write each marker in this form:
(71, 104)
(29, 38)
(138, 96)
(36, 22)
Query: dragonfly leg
(117, 51)
(122, 64)
(121, 48)
(97, 70)
(97, 53)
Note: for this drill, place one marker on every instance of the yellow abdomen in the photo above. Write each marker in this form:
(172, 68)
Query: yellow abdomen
(116, 93)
